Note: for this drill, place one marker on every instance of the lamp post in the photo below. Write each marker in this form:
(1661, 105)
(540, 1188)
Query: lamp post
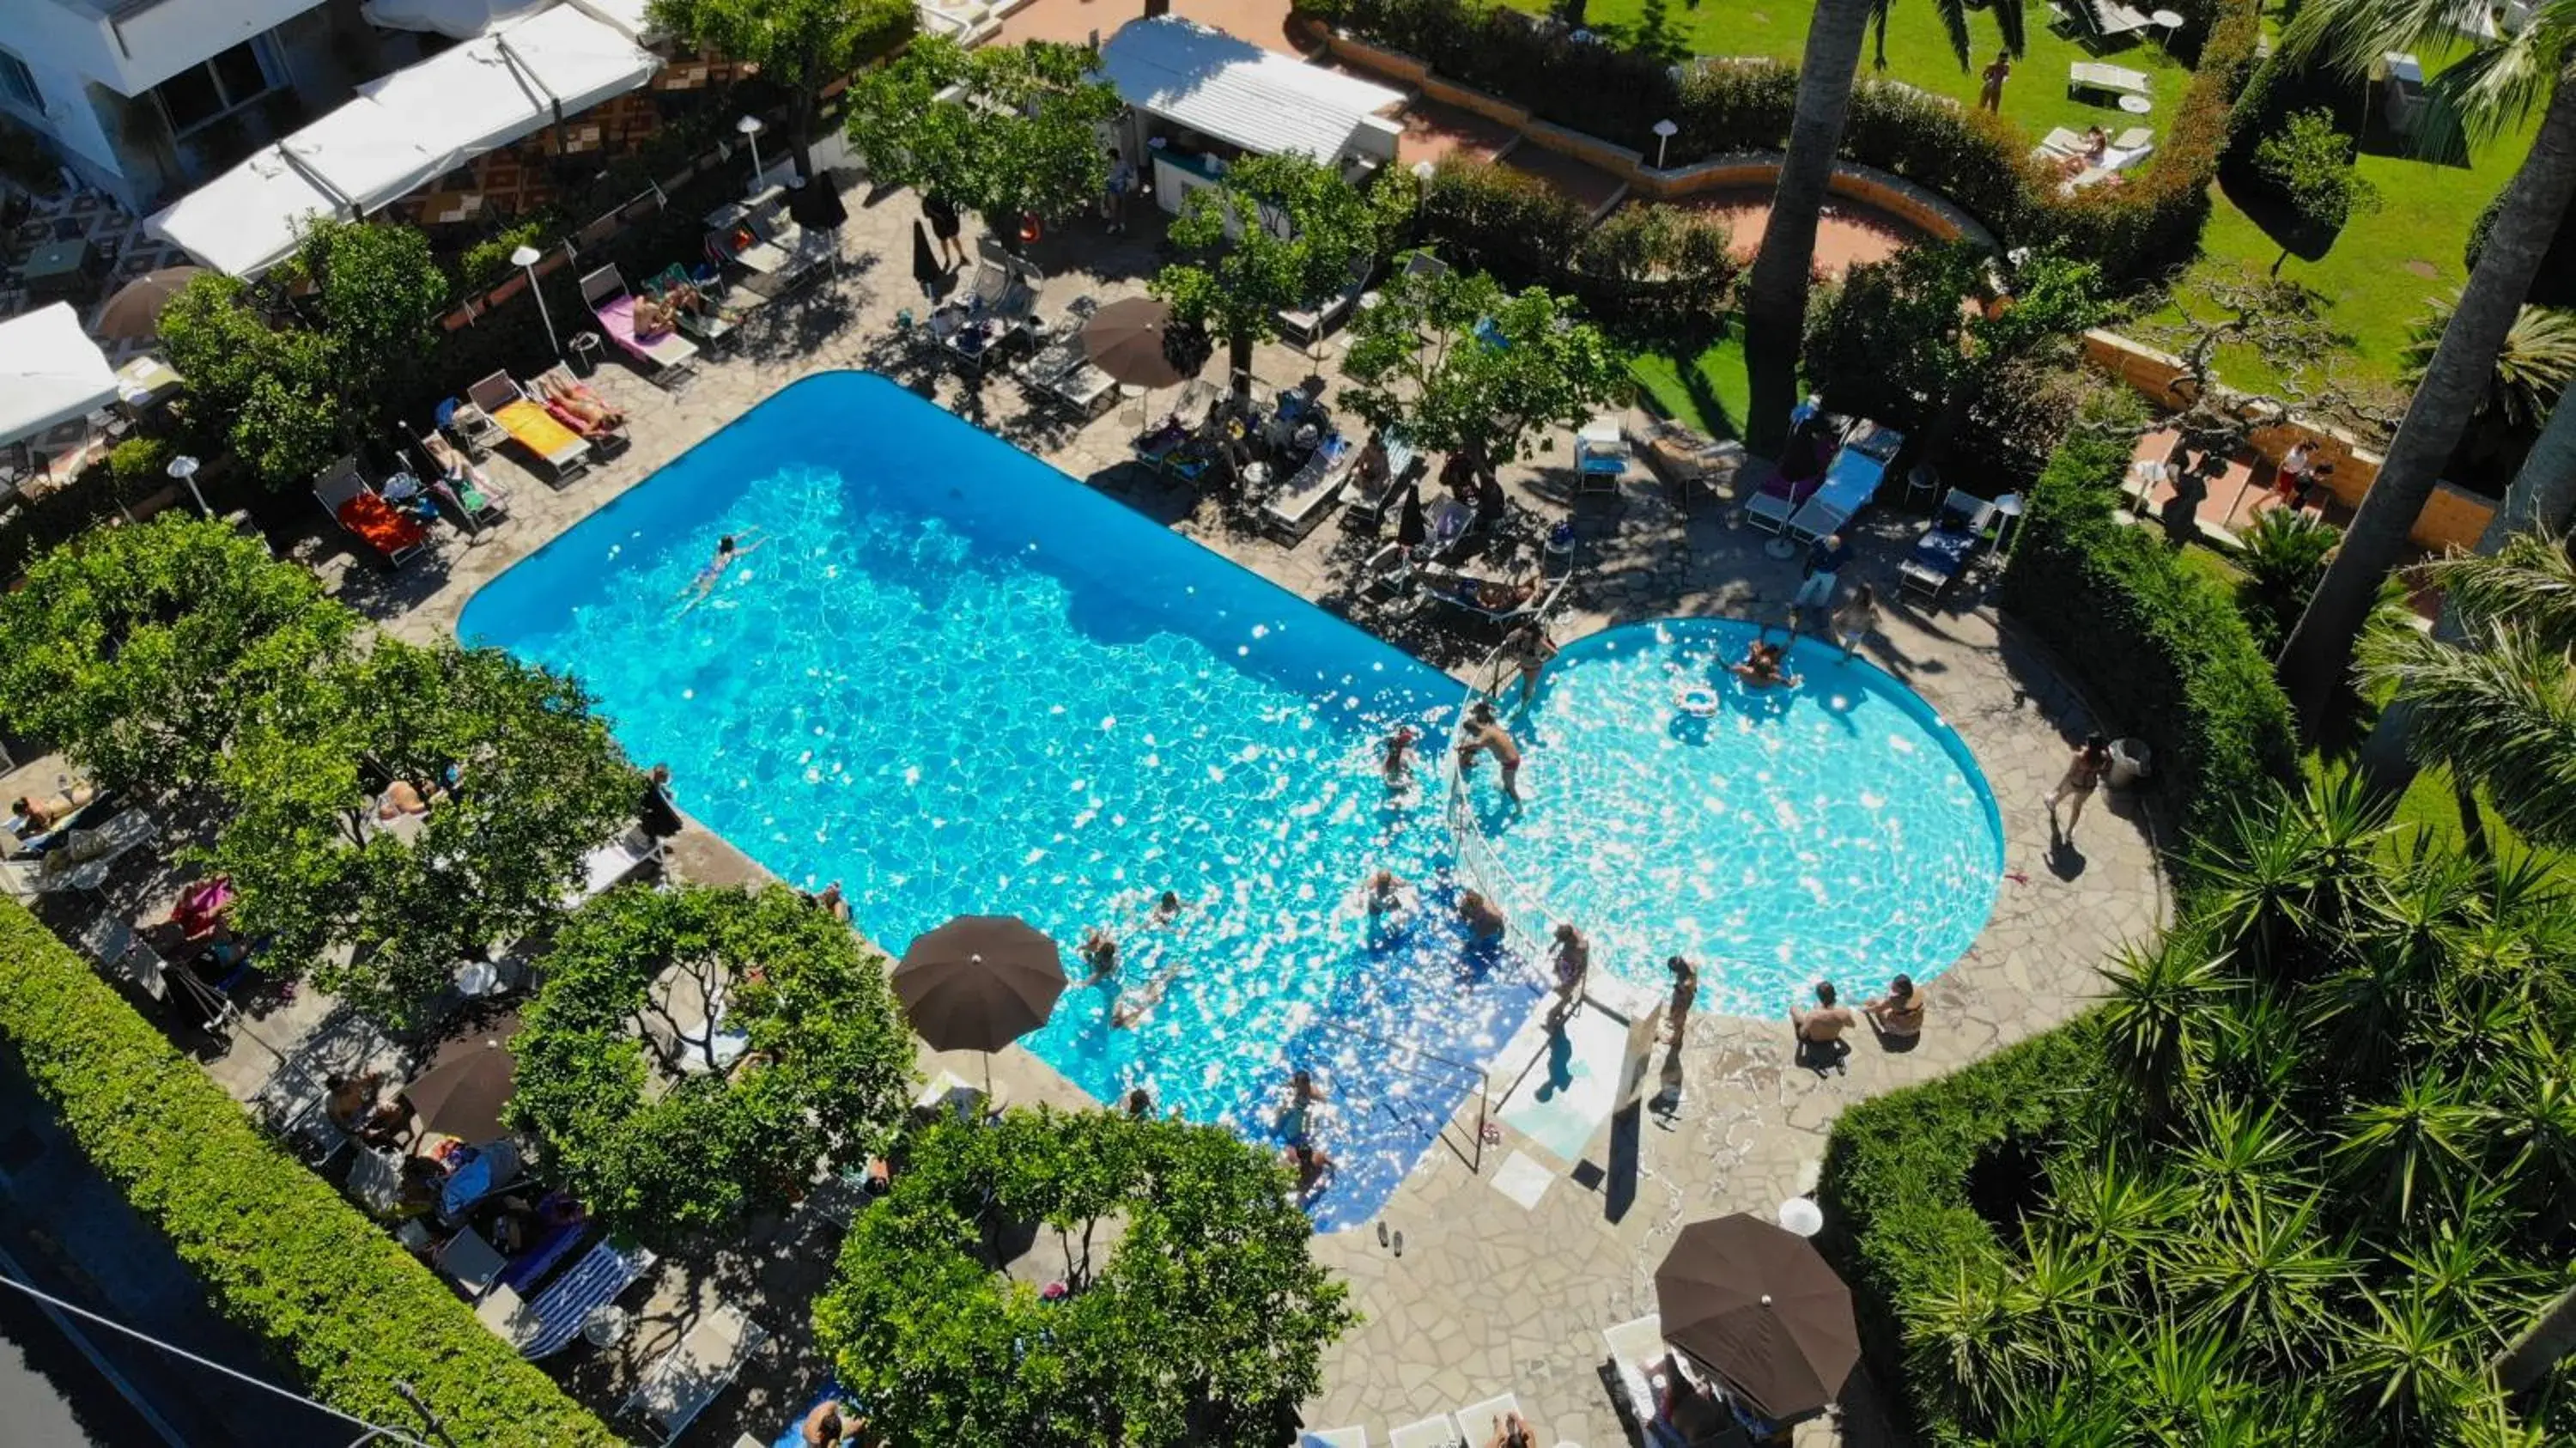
(1423, 171)
(525, 259)
(1664, 133)
(184, 468)
(750, 128)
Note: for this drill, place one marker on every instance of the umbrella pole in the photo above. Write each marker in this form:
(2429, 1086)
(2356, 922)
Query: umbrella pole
(988, 1081)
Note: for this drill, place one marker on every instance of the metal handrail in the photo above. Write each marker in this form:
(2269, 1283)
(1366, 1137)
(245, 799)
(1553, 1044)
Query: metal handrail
(1484, 1081)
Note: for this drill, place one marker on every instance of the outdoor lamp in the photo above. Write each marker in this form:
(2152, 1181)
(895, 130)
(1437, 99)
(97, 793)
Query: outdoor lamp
(1422, 174)
(184, 468)
(1664, 133)
(525, 259)
(750, 128)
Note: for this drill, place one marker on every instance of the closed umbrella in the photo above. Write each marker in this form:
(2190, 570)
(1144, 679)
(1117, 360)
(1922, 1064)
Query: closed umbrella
(978, 983)
(1137, 342)
(925, 263)
(1410, 529)
(467, 1084)
(1761, 1308)
(134, 313)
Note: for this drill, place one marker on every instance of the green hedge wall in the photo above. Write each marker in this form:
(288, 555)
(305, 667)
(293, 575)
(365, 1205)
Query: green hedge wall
(2134, 230)
(2161, 649)
(1895, 1184)
(345, 1309)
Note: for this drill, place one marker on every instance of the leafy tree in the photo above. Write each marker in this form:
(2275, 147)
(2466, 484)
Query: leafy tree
(376, 294)
(1466, 367)
(138, 650)
(1023, 138)
(2532, 367)
(1277, 233)
(824, 1070)
(1775, 310)
(1206, 1323)
(2311, 162)
(2486, 93)
(525, 782)
(803, 45)
(2498, 705)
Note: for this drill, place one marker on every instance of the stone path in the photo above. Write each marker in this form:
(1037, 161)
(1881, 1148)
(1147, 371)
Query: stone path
(1488, 1295)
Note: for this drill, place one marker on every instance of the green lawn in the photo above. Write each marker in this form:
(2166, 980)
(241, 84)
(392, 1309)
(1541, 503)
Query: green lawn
(1707, 391)
(1918, 53)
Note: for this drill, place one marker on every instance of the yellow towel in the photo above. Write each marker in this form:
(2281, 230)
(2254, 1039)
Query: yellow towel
(536, 429)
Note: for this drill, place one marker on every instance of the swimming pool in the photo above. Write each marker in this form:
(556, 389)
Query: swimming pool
(1835, 830)
(956, 680)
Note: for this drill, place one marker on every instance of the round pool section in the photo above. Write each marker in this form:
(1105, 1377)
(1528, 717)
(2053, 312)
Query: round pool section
(1835, 830)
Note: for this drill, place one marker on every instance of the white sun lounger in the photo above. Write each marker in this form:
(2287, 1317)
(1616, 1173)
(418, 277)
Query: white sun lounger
(1438, 1432)
(679, 1386)
(1476, 1420)
(1850, 482)
(1355, 1436)
(473, 1264)
(2092, 76)
(611, 863)
(1300, 503)
(550, 1322)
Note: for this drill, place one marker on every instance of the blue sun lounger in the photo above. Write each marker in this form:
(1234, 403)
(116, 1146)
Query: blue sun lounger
(1957, 528)
(1850, 482)
(547, 1324)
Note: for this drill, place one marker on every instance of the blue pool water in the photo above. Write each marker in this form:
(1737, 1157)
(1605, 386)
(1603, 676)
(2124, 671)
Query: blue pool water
(958, 681)
(1838, 830)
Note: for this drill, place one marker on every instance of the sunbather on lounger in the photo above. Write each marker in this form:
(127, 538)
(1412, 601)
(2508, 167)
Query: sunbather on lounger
(1494, 594)
(654, 317)
(35, 816)
(588, 411)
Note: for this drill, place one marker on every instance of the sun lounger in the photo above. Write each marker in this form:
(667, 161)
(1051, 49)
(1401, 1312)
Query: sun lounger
(2136, 138)
(1062, 373)
(604, 868)
(1372, 498)
(1498, 601)
(469, 426)
(1436, 1432)
(546, 1324)
(2092, 77)
(1307, 325)
(715, 328)
(669, 359)
(1686, 459)
(1850, 483)
(468, 495)
(1948, 541)
(1476, 1420)
(493, 1166)
(1600, 456)
(556, 1242)
(1452, 524)
(1387, 572)
(396, 536)
(563, 451)
(610, 438)
(1355, 1436)
(1778, 500)
(2060, 142)
(678, 1387)
(473, 1264)
(1292, 511)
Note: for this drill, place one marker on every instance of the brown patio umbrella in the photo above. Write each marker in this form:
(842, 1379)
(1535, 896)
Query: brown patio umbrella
(1137, 342)
(134, 312)
(1762, 1310)
(467, 1083)
(979, 982)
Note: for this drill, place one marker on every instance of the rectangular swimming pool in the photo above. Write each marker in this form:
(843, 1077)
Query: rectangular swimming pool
(958, 681)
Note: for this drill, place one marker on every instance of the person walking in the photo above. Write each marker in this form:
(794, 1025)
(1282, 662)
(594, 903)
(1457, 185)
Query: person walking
(1685, 995)
(1990, 93)
(1857, 619)
(1826, 558)
(941, 213)
(1113, 198)
(2084, 774)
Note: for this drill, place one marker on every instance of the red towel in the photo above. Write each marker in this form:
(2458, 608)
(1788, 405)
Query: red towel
(381, 524)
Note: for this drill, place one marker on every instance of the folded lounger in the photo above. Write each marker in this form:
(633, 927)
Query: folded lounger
(668, 358)
(564, 451)
(396, 536)
(1945, 547)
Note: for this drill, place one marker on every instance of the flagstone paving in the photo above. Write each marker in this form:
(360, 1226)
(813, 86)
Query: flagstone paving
(1488, 1295)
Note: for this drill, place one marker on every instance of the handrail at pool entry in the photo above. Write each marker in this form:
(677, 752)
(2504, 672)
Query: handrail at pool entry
(1484, 1083)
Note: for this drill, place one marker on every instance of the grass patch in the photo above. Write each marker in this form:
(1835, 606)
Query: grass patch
(1707, 390)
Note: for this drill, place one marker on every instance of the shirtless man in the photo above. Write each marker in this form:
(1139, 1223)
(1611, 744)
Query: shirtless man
(1483, 734)
(1398, 760)
(1099, 950)
(1820, 1031)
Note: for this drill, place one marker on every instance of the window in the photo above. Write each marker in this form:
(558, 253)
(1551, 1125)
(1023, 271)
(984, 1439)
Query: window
(226, 83)
(18, 84)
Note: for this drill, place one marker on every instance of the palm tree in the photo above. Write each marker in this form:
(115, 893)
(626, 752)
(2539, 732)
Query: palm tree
(2532, 368)
(2482, 95)
(2499, 711)
(1775, 307)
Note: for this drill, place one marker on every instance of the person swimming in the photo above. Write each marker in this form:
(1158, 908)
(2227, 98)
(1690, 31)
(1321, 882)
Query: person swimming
(1133, 1008)
(1762, 666)
(1099, 950)
(729, 550)
(1166, 909)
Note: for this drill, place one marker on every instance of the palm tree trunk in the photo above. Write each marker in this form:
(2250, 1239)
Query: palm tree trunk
(2520, 1367)
(2319, 656)
(1775, 311)
(2541, 499)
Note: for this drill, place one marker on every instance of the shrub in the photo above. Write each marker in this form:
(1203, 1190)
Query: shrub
(1493, 218)
(2285, 554)
(1899, 1216)
(2161, 649)
(140, 464)
(486, 262)
(341, 1305)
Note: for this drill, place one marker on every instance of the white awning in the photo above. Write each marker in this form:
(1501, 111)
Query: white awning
(404, 130)
(626, 15)
(463, 19)
(50, 372)
(1237, 91)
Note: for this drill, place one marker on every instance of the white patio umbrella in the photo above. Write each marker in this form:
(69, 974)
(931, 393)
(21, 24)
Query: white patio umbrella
(50, 373)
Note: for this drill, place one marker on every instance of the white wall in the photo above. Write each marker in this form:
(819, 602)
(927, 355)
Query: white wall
(158, 42)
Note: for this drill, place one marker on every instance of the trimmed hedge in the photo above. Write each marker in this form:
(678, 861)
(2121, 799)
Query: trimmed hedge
(345, 1309)
(1899, 1218)
(2161, 648)
(2134, 229)
(1648, 267)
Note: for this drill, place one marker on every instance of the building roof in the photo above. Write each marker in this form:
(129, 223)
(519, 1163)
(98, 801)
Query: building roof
(1236, 91)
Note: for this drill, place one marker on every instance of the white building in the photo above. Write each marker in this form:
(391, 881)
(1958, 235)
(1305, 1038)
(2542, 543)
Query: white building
(146, 98)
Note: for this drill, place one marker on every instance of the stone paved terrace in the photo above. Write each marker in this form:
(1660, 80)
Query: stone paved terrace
(1488, 1295)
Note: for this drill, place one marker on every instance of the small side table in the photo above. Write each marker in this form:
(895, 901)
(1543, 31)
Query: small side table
(2136, 105)
(608, 1326)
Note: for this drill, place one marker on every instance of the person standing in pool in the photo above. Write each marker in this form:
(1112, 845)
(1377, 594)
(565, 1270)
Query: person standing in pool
(1483, 734)
(1530, 649)
(1398, 759)
(1167, 909)
(1099, 950)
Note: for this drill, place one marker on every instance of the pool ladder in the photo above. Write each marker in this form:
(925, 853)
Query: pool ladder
(1482, 1078)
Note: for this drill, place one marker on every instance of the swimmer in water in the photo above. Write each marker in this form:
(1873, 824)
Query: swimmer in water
(1386, 895)
(1398, 763)
(1132, 1009)
(1166, 910)
(729, 549)
(1099, 950)
(1297, 1105)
